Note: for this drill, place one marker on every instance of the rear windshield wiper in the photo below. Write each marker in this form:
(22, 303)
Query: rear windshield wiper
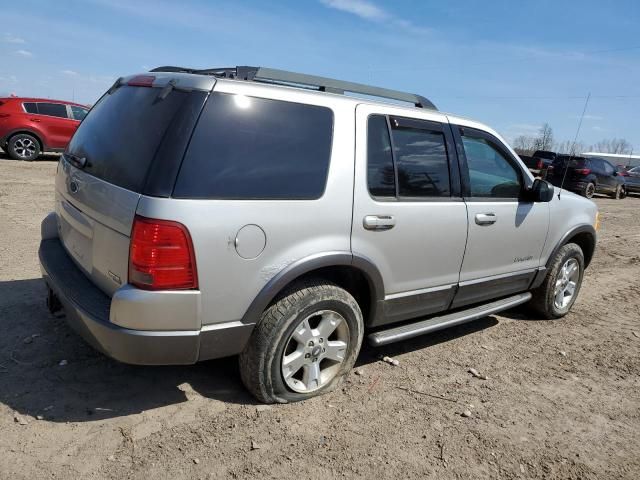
(76, 161)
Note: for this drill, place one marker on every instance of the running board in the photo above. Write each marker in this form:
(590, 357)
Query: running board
(433, 324)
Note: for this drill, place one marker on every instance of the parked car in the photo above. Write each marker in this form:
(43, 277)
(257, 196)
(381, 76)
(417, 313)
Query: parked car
(230, 211)
(632, 180)
(30, 126)
(587, 176)
(539, 161)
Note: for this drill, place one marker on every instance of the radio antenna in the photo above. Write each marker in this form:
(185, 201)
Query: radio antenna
(573, 147)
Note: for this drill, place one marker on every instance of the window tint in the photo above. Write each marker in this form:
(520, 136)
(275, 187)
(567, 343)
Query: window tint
(256, 148)
(126, 129)
(78, 112)
(30, 107)
(52, 109)
(380, 173)
(421, 159)
(490, 173)
(608, 168)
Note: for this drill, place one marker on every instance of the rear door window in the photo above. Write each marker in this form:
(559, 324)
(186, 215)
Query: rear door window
(124, 132)
(381, 177)
(421, 157)
(257, 148)
(30, 107)
(52, 109)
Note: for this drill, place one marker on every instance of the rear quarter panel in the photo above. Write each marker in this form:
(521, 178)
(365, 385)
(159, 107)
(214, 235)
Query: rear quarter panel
(294, 229)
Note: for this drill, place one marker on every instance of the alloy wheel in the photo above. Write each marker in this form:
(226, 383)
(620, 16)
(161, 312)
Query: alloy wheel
(566, 284)
(24, 147)
(315, 351)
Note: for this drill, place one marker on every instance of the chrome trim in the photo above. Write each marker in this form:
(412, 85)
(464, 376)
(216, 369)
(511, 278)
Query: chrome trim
(420, 291)
(497, 277)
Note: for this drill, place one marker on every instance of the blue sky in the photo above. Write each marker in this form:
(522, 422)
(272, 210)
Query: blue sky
(511, 64)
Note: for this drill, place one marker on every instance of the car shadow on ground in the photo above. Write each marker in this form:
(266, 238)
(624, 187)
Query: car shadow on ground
(47, 369)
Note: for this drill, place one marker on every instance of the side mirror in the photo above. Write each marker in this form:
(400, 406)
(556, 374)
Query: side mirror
(541, 191)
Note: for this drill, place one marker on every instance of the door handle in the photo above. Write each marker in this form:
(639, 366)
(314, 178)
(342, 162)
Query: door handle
(379, 222)
(486, 218)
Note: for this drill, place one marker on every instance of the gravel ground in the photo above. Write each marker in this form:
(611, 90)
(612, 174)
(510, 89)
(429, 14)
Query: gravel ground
(562, 398)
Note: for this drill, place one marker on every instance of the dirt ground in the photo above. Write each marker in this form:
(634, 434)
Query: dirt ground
(562, 398)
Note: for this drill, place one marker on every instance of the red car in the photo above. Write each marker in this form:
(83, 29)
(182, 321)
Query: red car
(29, 126)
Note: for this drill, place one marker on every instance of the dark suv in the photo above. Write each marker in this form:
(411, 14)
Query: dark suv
(30, 126)
(587, 176)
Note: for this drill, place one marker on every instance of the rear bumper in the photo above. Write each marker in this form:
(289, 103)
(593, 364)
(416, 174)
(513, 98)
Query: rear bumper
(87, 310)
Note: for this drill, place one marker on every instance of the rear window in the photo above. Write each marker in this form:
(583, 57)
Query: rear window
(124, 131)
(545, 155)
(575, 162)
(257, 148)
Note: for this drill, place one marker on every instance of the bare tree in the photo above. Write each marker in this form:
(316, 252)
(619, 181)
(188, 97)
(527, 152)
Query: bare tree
(569, 148)
(613, 145)
(524, 144)
(544, 141)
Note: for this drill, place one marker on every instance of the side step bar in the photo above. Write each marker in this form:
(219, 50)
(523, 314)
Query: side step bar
(411, 330)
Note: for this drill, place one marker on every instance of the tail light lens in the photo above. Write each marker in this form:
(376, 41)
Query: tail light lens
(540, 165)
(583, 171)
(161, 256)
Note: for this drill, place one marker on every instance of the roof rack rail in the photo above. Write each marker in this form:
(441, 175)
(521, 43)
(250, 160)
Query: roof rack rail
(322, 84)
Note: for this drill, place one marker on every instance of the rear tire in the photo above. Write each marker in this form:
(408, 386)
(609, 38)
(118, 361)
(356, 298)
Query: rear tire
(589, 190)
(286, 359)
(23, 147)
(560, 288)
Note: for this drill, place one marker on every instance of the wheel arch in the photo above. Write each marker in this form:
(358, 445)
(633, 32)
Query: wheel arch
(356, 274)
(26, 131)
(584, 236)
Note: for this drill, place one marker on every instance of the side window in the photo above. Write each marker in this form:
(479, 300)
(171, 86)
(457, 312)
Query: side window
(380, 174)
(78, 112)
(490, 173)
(257, 148)
(421, 160)
(30, 107)
(52, 109)
(608, 168)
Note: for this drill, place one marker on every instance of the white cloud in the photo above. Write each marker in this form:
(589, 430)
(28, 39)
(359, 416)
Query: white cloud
(69, 72)
(361, 8)
(371, 12)
(24, 53)
(9, 38)
(586, 117)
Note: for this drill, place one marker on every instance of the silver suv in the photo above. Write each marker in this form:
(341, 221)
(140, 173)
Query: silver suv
(208, 213)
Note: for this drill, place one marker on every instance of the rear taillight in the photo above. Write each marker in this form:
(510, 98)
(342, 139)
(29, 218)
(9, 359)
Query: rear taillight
(583, 171)
(540, 164)
(161, 256)
(141, 81)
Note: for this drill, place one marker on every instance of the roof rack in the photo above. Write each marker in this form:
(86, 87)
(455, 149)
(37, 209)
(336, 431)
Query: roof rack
(322, 84)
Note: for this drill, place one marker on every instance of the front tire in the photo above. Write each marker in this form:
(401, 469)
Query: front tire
(560, 288)
(23, 147)
(303, 344)
(620, 193)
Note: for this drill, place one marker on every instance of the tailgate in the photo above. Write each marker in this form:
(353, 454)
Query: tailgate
(131, 142)
(94, 222)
